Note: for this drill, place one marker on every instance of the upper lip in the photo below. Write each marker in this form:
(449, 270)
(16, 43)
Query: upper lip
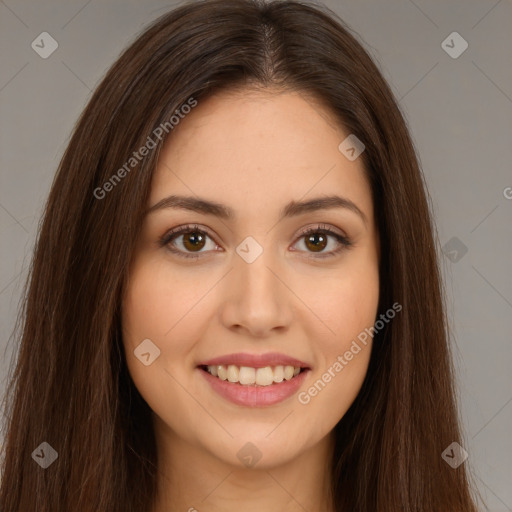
(256, 360)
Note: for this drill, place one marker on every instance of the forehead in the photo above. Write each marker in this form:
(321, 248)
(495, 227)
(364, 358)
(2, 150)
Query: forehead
(259, 148)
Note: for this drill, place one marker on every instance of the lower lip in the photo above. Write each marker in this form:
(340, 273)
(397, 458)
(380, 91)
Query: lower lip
(255, 396)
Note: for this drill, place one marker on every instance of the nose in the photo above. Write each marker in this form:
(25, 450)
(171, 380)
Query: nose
(257, 298)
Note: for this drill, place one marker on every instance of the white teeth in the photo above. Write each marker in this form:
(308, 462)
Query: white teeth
(233, 373)
(222, 373)
(264, 376)
(279, 374)
(247, 376)
(288, 372)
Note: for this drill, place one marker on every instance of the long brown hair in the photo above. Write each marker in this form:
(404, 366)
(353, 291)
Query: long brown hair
(70, 387)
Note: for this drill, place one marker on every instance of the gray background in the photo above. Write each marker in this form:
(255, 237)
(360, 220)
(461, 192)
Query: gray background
(460, 115)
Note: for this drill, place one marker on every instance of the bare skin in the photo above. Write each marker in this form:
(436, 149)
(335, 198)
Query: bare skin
(254, 152)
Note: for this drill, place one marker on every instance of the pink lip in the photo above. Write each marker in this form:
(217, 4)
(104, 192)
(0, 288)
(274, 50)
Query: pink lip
(256, 360)
(255, 396)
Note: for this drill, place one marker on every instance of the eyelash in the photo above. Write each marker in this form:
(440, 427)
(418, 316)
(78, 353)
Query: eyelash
(168, 237)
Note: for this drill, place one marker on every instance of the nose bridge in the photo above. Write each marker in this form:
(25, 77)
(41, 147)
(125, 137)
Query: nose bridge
(257, 281)
(259, 301)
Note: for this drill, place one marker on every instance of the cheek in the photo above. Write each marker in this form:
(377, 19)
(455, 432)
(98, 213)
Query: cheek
(347, 304)
(166, 306)
(343, 361)
(154, 308)
(159, 302)
(150, 310)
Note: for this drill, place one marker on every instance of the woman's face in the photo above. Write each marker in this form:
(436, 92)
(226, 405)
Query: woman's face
(248, 291)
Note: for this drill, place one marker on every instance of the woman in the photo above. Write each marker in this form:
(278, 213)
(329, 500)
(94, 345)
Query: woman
(235, 300)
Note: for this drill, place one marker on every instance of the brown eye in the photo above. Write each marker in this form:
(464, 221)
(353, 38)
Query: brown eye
(318, 238)
(193, 240)
(316, 242)
(187, 241)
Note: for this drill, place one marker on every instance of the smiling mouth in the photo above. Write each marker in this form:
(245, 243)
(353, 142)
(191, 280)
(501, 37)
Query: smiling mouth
(248, 376)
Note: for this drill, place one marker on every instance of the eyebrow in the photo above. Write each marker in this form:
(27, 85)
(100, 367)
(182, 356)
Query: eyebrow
(292, 209)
